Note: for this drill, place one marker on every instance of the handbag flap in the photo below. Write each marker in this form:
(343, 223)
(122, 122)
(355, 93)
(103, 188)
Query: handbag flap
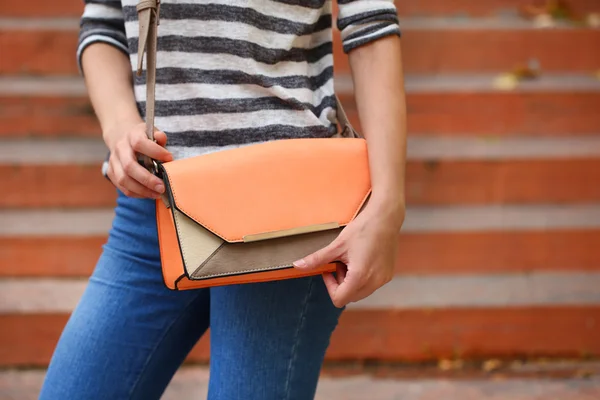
(287, 186)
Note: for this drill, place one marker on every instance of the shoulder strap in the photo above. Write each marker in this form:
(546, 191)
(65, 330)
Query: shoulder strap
(148, 16)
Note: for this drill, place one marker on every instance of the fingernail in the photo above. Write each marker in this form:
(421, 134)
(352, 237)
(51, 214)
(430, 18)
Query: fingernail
(299, 263)
(159, 188)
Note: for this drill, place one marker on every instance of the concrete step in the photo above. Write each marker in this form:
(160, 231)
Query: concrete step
(455, 105)
(412, 319)
(429, 253)
(68, 8)
(440, 171)
(434, 240)
(430, 45)
(191, 383)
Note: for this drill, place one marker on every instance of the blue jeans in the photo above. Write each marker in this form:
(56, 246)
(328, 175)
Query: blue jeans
(129, 334)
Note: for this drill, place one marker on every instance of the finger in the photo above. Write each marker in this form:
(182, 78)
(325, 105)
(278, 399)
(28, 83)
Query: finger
(129, 186)
(351, 284)
(331, 284)
(320, 257)
(140, 174)
(334, 280)
(344, 293)
(340, 272)
(141, 144)
(161, 138)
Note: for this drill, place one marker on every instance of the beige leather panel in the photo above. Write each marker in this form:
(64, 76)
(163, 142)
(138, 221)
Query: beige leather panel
(236, 258)
(197, 244)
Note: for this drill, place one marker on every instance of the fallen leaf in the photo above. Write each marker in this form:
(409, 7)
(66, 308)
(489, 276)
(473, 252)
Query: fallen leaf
(505, 82)
(449, 365)
(593, 20)
(583, 374)
(543, 21)
(491, 365)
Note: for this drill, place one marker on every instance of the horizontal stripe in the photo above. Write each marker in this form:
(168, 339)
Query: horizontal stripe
(187, 91)
(403, 292)
(256, 119)
(420, 148)
(359, 31)
(102, 11)
(303, 3)
(55, 223)
(95, 38)
(501, 218)
(428, 183)
(188, 77)
(483, 23)
(50, 152)
(354, 8)
(426, 254)
(246, 15)
(240, 48)
(412, 23)
(178, 59)
(206, 139)
(237, 31)
(384, 335)
(267, 8)
(200, 106)
(371, 18)
(102, 30)
(351, 44)
(415, 84)
(191, 383)
(429, 147)
(498, 290)
(40, 24)
(418, 220)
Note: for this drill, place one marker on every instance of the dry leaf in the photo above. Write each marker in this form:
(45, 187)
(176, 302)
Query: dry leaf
(593, 20)
(505, 82)
(449, 365)
(543, 21)
(491, 365)
(583, 374)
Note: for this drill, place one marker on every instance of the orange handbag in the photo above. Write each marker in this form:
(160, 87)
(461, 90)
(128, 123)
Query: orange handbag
(244, 215)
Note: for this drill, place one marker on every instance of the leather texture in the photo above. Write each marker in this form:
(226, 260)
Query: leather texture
(235, 258)
(272, 186)
(215, 200)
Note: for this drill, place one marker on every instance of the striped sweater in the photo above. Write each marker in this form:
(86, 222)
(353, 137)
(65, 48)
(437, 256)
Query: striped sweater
(234, 72)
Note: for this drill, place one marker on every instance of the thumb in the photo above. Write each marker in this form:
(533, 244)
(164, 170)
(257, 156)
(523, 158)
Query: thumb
(319, 258)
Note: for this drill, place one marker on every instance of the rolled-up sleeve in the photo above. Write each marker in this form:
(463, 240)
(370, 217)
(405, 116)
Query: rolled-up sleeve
(102, 21)
(364, 21)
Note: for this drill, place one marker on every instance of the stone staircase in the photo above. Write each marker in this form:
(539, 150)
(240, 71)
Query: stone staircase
(500, 253)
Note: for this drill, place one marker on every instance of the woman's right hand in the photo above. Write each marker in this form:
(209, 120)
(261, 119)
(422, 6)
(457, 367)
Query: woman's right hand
(125, 143)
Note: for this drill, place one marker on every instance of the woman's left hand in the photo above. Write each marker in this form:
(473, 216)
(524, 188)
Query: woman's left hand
(367, 247)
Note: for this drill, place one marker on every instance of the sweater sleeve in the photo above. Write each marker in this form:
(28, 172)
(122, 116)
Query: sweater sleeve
(102, 21)
(364, 21)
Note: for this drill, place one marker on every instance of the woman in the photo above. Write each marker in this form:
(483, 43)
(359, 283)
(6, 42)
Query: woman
(229, 73)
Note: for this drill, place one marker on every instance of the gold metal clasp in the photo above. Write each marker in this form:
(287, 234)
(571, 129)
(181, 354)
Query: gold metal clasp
(291, 232)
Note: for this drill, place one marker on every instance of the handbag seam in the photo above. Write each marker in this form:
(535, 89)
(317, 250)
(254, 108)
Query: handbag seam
(175, 205)
(210, 257)
(176, 219)
(245, 271)
(294, 352)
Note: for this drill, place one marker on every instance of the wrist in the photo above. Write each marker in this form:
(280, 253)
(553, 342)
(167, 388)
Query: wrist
(112, 132)
(390, 205)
